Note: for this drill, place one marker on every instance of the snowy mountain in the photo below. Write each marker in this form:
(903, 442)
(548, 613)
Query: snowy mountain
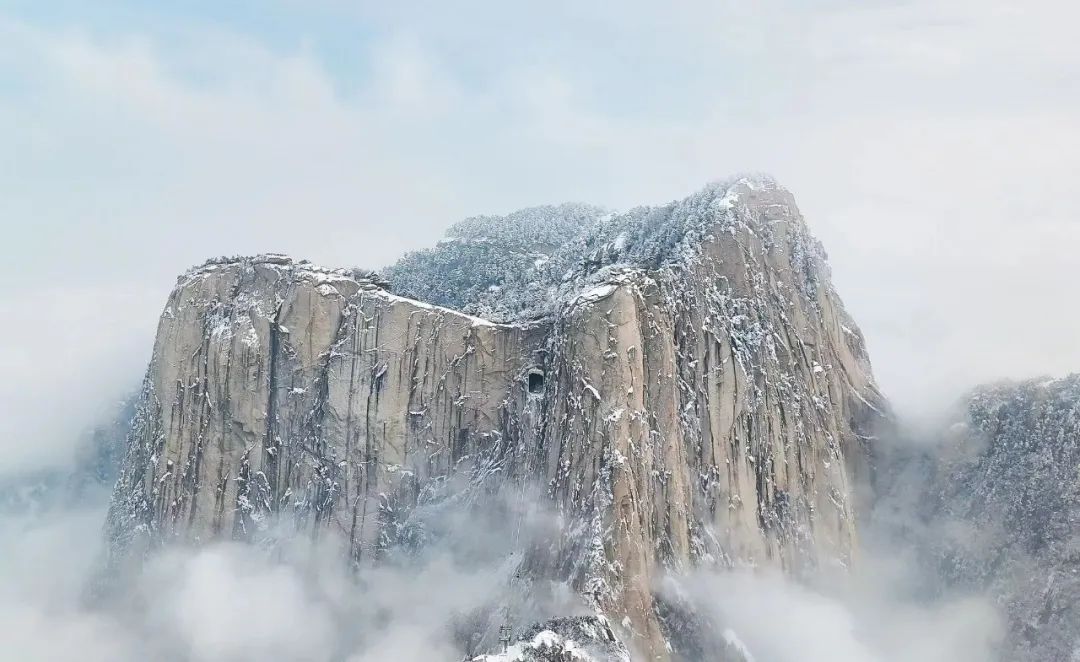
(529, 264)
(498, 267)
(672, 388)
(994, 508)
(1014, 482)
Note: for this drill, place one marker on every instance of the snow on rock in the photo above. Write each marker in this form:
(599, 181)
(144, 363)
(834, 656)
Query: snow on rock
(1001, 494)
(675, 379)
(737, 646)
(543, 647)
(581, 639)
(540, 259)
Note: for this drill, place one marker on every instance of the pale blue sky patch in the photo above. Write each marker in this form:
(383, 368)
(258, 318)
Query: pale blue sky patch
(932, 144)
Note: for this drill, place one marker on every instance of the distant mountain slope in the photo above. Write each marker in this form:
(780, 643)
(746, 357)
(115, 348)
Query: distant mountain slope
(995, 509)
(1020, 494)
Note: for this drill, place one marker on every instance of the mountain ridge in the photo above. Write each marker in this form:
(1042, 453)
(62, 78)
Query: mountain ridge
(693, 395)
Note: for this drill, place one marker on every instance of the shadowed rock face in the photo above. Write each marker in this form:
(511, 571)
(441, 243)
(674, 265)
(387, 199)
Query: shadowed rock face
(707, 409)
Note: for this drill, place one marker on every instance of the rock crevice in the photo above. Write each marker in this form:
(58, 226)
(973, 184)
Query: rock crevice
(707, 405)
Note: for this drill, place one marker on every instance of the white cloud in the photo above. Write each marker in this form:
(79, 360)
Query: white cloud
(226, 603)
(69, 354)
(931, 145)
(778, 620)
(295, 600)
(43, 562)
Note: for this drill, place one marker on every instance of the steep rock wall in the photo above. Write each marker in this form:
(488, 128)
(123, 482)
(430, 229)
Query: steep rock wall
(714, 414)
(281, 387)
(707, 410)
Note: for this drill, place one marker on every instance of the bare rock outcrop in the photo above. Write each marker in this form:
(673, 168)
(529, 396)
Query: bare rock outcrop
(687, 392)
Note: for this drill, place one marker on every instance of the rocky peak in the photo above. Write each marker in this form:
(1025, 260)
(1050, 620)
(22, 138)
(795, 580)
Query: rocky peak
(529, 264)
(680, 383)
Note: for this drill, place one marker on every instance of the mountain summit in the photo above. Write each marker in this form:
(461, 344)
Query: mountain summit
(674, 387)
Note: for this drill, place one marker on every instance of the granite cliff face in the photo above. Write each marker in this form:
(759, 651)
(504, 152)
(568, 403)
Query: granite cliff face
(681, 385)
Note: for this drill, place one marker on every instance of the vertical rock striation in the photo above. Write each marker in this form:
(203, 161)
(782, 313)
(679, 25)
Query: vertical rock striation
(710, 412)
(687, 390)
(278, 386)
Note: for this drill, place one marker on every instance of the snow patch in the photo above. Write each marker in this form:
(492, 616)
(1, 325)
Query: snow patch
(732, 640)
(545, 641)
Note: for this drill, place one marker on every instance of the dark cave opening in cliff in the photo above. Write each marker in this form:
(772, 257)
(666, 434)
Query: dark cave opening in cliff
(536, 381)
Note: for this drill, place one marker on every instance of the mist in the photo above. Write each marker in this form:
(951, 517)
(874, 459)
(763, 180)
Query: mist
(894, 601)
(933, 147)
(287, 597)
(774, 619)
(294, 598)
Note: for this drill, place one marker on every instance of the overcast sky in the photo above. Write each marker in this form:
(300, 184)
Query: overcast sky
(934, 146)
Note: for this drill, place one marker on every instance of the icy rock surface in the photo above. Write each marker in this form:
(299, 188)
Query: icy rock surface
(682, 382)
